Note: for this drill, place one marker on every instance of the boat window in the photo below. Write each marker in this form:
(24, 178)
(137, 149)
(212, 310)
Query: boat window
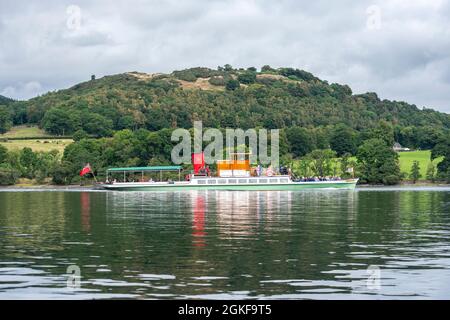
(284, 180)
(262, 180)
(242, 180)
(222, 181)
(252, 181)
(231, 180)
(201, 181)
(212, 181)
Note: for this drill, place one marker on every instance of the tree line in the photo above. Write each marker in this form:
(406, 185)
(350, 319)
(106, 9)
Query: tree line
(314, 152)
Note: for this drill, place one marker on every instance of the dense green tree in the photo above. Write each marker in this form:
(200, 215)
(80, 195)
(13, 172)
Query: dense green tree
(5, 119)
(383, 131)
(415, 172)
(267, 68)
(431, 172)
(407, 136)
(346, 164)
(302, 168)
(61, 173)
(428, 137)
(300, 141)
(228, 67)
(3, 155)
(247, 77)
(232, 84)
(78, 154)
(442, 149)
(79, 135)
(343, 140)
(57, 121)
(378, 163)
(98, 125)
(28, 161)
(322, 162)
(8, 176)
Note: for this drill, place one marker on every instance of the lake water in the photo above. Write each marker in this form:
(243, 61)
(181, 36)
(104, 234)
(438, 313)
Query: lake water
(389, 243)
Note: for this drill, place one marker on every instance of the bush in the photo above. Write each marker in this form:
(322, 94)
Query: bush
(61, 174)
(3, 154)
(247, 77)
(8, 176)
(79, 134)
(193, 74)
(268, 69)
(232, 85)
(391, 180)
(217, 81)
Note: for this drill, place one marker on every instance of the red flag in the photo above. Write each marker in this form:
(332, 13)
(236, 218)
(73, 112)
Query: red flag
(85, 170)
(198, 161)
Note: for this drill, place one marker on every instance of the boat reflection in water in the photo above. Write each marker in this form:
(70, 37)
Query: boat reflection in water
(85, 202)
(233, 214)
(225, 244)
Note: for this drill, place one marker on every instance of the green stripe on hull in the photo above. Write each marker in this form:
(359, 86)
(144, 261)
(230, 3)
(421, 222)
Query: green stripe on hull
(286, 187)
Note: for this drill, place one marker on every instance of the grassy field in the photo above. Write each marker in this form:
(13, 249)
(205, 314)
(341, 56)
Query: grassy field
(38, 145)
(24, 132)
(46, 144)
(406, 160)
(423, 156)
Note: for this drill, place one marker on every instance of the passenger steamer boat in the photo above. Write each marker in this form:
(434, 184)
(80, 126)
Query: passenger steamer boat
(231, 175)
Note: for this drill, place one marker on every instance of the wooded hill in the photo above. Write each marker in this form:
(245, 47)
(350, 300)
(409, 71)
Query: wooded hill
(5, 100)
(226, 97)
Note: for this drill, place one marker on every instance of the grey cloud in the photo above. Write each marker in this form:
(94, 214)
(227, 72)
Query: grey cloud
(407, 58)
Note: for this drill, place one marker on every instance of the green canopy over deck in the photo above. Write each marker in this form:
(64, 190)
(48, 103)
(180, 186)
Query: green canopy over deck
(159, 169)
(140, 169)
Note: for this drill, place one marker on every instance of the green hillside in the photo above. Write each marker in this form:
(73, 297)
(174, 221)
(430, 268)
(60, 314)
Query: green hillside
(226, 97)
(133, 115)
(5, 100)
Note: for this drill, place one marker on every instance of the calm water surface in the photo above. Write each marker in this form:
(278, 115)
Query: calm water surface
(233, 245)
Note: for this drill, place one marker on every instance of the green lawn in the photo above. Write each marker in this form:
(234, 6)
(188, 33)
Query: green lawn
(406, 160)
(38, 145)
(423, 156)
(46, 144)
(24, 132)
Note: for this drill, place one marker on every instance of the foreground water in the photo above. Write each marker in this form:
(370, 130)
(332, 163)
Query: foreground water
(365, 244)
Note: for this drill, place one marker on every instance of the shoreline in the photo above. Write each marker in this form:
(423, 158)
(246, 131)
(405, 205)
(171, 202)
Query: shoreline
(47, 187)
(51, 187)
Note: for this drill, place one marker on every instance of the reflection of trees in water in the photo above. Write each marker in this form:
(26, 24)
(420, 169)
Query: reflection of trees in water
(33, 220)
(405, 213)
(268, 235)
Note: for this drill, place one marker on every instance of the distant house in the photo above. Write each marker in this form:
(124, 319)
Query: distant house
(398, 147)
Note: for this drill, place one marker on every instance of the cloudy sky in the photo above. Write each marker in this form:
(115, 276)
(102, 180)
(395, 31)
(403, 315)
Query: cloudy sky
(399, 49)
